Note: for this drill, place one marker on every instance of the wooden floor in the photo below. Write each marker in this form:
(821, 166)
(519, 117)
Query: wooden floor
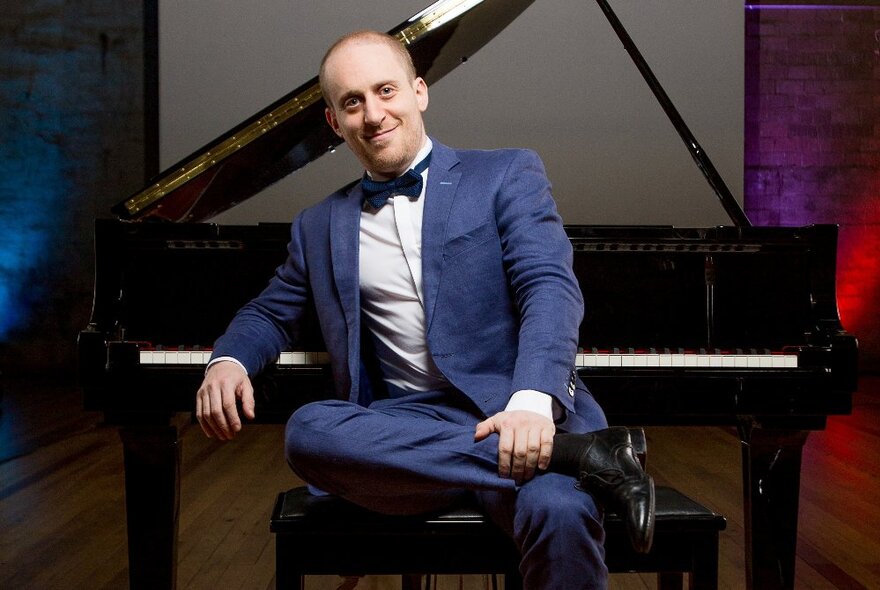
(62, 521)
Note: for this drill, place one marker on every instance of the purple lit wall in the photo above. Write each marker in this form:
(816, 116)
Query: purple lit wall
(812, 139)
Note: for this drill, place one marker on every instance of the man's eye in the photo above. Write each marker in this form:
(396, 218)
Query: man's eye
(351, 103)
(387, 90)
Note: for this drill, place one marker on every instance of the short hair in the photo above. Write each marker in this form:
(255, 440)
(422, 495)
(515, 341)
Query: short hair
(366, 36)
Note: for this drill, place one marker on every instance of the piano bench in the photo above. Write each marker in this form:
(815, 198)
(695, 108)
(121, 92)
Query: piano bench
(327, 535)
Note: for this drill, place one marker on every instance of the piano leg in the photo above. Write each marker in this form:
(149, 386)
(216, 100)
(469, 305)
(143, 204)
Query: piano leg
(771, 490)
(152, 504)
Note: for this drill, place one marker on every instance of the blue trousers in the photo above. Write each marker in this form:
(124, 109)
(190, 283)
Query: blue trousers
(416, 452)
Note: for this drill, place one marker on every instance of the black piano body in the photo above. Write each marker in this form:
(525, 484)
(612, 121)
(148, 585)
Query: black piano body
(720, 292)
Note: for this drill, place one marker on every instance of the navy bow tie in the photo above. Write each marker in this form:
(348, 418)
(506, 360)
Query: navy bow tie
(376, 193)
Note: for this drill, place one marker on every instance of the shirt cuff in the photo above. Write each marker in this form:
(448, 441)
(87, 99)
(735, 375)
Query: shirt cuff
(532, 401)
(225, 358)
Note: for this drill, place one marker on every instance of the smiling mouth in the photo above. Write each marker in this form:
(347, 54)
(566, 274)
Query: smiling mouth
(379, 136)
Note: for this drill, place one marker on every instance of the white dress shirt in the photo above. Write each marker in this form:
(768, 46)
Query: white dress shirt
(390, 264)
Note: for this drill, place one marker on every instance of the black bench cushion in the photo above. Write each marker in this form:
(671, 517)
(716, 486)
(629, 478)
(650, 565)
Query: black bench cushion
(298, 511)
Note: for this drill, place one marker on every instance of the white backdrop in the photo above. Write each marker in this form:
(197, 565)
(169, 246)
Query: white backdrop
(556, 80)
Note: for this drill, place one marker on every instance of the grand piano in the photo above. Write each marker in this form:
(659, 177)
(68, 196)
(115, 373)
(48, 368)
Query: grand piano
(733, 325)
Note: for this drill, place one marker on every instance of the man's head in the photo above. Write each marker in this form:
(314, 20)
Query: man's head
(375, 100)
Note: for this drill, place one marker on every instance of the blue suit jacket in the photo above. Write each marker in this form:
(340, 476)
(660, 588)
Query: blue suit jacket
(501, 302)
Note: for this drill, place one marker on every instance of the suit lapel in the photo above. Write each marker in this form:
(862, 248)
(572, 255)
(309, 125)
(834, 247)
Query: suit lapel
(345, 217)
(439, 197)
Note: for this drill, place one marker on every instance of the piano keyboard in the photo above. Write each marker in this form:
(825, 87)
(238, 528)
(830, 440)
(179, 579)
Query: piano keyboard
(721, 360)
(201, 357)
(592, 359)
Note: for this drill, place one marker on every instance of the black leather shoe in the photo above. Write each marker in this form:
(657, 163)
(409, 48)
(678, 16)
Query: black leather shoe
(610, 470)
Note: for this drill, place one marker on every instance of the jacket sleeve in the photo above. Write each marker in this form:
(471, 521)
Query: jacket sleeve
(268, 324)
(537, 257)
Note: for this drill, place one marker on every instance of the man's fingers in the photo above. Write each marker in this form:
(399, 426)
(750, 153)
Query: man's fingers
(505, 453)
(525, 443)
(484, 429)
(200, 414)
(221, 415)
(230, 414)
(546, 442)
(203, 413)
(533, 453)
(216, 400)
(247, 400)
(216, 415)
(520, 454)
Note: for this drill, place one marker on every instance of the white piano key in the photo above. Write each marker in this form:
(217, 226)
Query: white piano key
(649, 360)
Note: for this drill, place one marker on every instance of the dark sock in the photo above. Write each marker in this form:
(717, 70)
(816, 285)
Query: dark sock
(567, 451)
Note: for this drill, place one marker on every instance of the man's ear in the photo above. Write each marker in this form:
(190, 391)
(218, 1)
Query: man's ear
(331, 120)
(421, 89)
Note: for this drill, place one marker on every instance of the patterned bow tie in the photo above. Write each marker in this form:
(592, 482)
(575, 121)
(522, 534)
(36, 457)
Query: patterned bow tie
(376, 193)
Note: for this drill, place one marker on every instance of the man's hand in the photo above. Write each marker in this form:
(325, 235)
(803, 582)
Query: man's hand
(224, 382)
(524, 444)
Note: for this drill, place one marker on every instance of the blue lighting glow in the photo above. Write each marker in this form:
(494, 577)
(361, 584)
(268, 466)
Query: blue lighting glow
(31, 189)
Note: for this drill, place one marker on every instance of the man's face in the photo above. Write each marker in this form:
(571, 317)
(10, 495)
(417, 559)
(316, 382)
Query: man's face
(374, 107)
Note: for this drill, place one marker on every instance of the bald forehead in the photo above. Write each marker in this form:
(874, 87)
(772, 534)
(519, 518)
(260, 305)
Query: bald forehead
(348, 48)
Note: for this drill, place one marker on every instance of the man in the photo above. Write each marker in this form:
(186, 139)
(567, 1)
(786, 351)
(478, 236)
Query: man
(450, 312)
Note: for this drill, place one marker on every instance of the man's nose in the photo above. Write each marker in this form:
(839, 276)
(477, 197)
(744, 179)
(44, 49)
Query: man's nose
(373, 112)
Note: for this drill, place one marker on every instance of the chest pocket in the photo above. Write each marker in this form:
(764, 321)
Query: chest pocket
(467, 241)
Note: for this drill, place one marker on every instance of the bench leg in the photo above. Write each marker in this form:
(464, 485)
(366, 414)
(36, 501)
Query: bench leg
(705, 568)
(287, 577)
(670, 581)
(512, 580)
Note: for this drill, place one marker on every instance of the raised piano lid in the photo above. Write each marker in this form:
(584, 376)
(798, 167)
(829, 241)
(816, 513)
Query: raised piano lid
(291, 132)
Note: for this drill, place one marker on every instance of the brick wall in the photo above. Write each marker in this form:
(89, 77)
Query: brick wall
(72, 143)
(812, 140)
